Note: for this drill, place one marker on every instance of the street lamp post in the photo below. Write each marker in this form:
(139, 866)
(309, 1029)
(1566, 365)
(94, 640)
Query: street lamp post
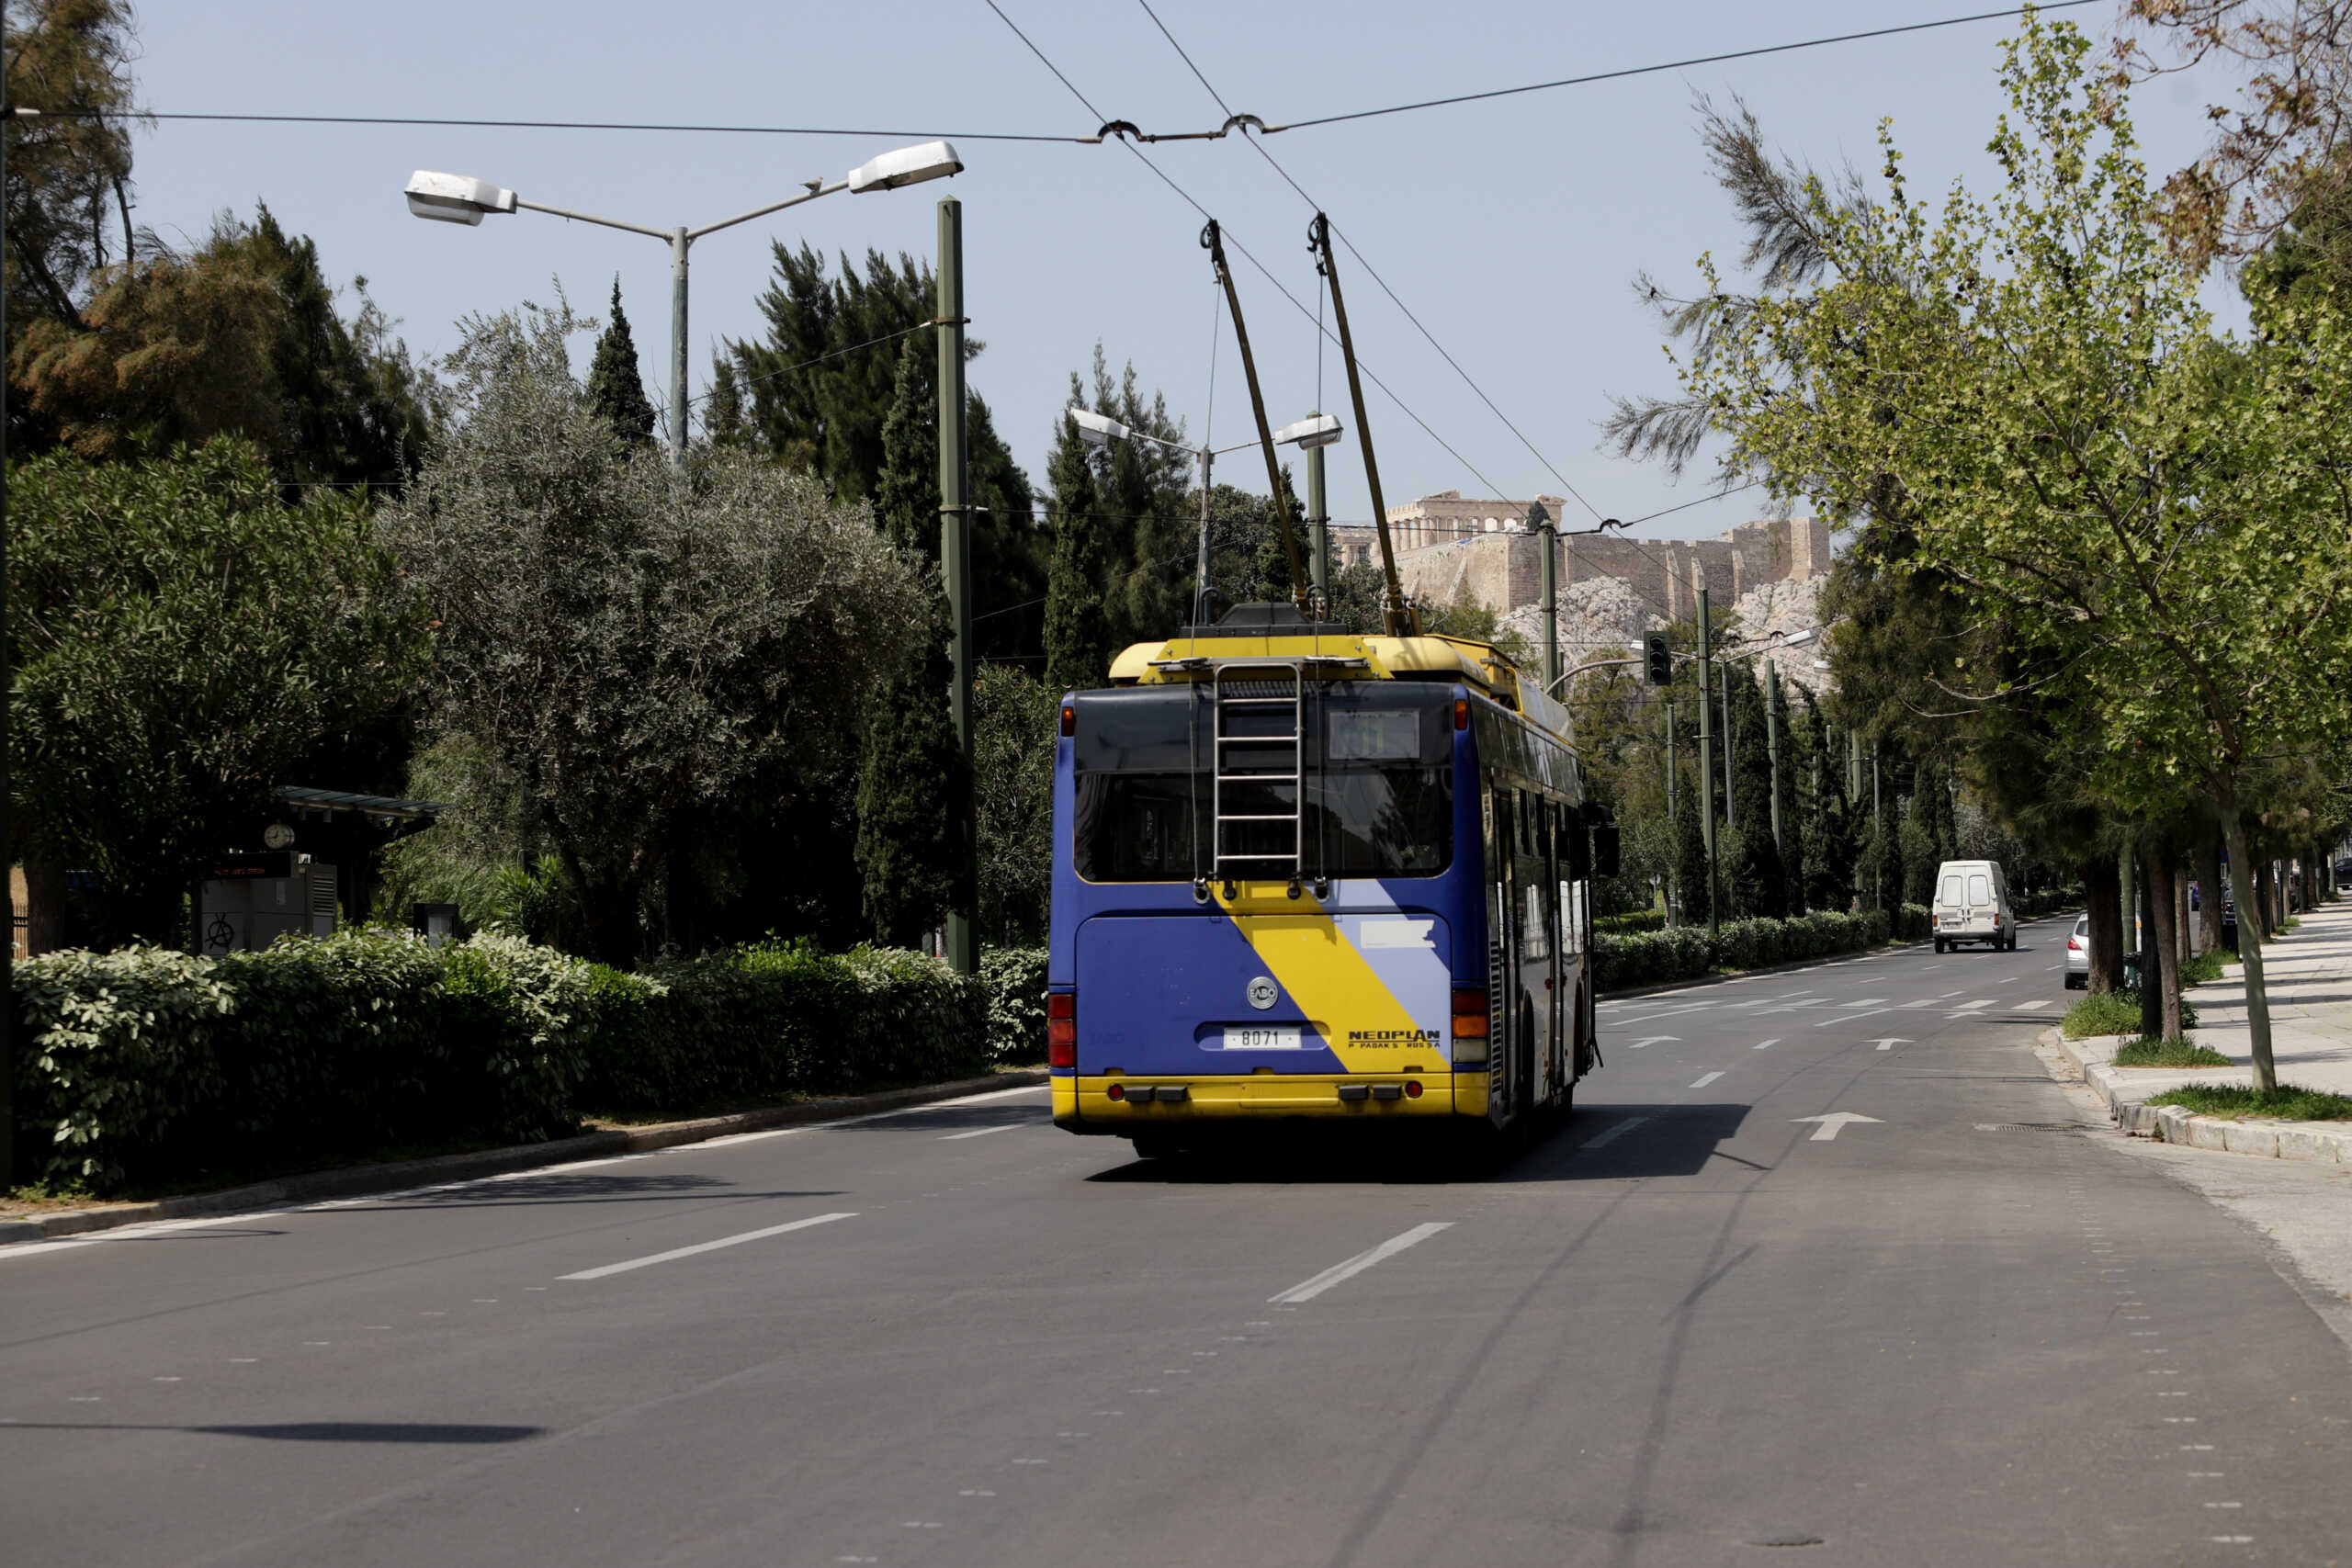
(1311, 435)
(461, 198)
(1100, 430)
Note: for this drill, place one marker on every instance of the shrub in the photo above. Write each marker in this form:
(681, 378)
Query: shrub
(1912, 923)
(1685, 952)
(2102, 1012)
(2146, 1053)
(1016, 982)
(1629, 924)
(146, 1062)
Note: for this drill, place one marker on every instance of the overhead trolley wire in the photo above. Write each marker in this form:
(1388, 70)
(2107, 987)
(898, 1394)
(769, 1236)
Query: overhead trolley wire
(1443, 352)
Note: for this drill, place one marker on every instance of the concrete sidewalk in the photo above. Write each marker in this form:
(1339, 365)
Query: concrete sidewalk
(2308, 972)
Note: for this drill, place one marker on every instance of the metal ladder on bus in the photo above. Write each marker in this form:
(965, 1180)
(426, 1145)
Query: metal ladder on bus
(1267, 761)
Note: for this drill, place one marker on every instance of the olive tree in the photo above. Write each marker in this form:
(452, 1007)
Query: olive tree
(640, 650)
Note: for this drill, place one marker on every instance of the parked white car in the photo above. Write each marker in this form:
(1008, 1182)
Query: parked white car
(2079, 954)
(1972, 905)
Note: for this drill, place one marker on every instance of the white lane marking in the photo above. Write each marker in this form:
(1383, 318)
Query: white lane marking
(1615, 1131)
(2053, 969)
(1832, 1123)
(1849, 1017)
(2035, 1006)
(1654, 1039)
(1339, 1273)
(2010, 981)
(1866, 1002)
(1947, 996)
(1972, 1007)
(981, 1132)
(1705, 1081)
(1925, 967)
(676, 1253)
(1767, 1044)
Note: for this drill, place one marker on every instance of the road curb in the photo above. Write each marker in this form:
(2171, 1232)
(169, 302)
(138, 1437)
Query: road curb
(362, 1180)
(2323, 1142)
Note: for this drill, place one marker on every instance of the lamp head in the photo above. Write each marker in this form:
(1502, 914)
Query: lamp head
(1315, 430)
(455, 199)
(1095, 429)
(906, 167)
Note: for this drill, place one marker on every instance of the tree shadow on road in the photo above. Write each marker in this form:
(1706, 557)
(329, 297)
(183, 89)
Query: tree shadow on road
(460, 1432)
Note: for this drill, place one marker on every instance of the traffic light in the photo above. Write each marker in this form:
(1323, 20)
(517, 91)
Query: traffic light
(1658, 660)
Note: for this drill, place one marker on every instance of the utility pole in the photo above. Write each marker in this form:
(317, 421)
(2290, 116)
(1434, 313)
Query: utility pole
(1707, 769)
(1723, 672)
(7, 887)
(1670, 763)
(1539, 521)
(956, 565)
(1319, 526)
(1772, 749)
(1878, 832)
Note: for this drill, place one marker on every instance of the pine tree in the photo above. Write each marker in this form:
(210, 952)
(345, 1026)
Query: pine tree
(913, 784)
(1078, 633)
(722, 417)
(615, 386)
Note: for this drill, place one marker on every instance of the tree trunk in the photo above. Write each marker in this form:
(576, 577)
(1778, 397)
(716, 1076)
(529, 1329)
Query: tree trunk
(2258, 1001)
(2100, 885)
(2182, 949)
(44, 909)
(2165, 934)
(2260, 926)
(2209, 894)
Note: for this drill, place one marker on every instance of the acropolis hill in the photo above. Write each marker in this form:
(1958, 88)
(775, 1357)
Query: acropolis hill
(1612, 589)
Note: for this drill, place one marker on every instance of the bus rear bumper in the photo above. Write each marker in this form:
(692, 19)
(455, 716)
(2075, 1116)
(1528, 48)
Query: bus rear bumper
(1084, 1104)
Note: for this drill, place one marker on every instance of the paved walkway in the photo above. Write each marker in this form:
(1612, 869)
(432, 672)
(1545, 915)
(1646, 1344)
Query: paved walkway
(2309, 975)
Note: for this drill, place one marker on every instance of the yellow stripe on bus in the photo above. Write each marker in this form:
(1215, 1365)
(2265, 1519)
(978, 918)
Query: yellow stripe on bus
(1327, 979)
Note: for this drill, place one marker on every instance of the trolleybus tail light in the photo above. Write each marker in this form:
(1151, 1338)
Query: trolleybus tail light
(1461, 713)
(1470, 1026)
(1069, 718)
(1116, 1091)
(1412, 1089)
(1061, 1029)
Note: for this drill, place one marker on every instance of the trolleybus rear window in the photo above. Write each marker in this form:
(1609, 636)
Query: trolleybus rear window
(1377, 775)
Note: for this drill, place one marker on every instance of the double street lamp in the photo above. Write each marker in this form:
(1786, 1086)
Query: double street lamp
(461, 198)
(1310, 434)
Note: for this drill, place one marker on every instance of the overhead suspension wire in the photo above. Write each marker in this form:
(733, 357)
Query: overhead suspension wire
(1189, 200)
(1604, 523)
(22, 112)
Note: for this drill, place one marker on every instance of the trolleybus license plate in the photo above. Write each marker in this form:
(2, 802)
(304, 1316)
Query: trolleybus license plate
(1263, 1040)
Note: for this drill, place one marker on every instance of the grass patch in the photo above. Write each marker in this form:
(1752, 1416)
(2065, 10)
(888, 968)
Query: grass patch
(2170, 1054)
(2113, 1012)
(2202, 970)
(2286, 1102)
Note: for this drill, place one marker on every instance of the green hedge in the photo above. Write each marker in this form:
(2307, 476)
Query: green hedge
(1016, 982)
(1687, 952)
(1630, 924)
(146, 1065)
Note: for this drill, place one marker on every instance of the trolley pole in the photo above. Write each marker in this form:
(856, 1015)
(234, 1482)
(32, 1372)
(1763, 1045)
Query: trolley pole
(955, 567)
(1707, 769)
(1319, 526)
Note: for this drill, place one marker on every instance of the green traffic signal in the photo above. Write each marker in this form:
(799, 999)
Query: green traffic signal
(1658, 660)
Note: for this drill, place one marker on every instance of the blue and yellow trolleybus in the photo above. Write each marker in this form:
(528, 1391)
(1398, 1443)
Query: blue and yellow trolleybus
(1301, 872)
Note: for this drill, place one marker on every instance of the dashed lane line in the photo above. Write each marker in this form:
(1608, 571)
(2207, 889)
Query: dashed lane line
(1340, 1273)
(701, 1246)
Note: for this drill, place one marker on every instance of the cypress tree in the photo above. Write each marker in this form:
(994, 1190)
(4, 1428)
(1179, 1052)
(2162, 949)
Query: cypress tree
(1792, 814)
(616, 388)
(1691, 856)
(912, 784)
(1078, 633)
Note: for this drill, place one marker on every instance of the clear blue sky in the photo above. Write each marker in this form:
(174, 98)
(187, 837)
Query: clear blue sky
(1514, 229)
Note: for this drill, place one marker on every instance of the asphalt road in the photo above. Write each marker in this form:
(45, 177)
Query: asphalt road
(1691, 1322)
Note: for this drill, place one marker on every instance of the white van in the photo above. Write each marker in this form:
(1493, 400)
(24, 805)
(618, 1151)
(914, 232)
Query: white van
(1972, 905)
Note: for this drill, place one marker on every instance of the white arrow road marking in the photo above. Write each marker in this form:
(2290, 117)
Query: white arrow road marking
(1706, 1079)
(1767, 1045)
(1891, 1042)
(1832, 1124)
(705, 1246)
(1615, 1130)
(1306, 1291)
(1654, 1040)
